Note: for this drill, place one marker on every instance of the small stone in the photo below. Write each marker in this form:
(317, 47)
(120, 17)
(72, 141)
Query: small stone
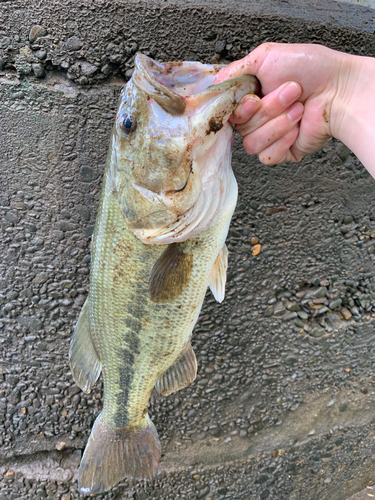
(346, 314)
(317, 332)
(203, 493)
(320, 292)
(219, 46)
(40, 278)
(323, 310)
(331, 403)
(256, 249)
(38, 70)
(2, 63)
(343, 406)
(10, 473)
(40, 54)
(290, 316)
(36, 32)
(268, 312)
(215, 431)
(254, 240)
(303, 315)
(105, 69)
(243, 433)
(335, 304)
(65, 225)
(30, 322)
(88, 69)
(371, 249)
(293, 306)
(86, 173)
(254, 205)
(60, 445)
(315, 282)
(128, 73)
(58, 235)
(73, 43)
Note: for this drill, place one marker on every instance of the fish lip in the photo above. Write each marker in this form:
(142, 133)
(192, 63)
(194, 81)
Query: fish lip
(173, 102)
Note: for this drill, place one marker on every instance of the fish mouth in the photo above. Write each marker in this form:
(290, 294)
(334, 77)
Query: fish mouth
(196, 189)
(170, 83)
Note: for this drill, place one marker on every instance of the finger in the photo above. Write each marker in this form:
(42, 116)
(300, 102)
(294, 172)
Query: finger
(248, 65)
(272, 131)
(246, 109)
(273, 104)
(279, 151)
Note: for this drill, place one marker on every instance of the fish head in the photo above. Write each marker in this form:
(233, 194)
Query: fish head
(170, 116)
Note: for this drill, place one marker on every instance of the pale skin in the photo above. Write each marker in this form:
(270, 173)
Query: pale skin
(311, 93)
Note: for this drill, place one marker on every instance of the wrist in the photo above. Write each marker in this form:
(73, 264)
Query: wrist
(352, 118)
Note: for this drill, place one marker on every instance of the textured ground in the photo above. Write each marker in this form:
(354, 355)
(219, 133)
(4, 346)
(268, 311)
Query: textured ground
(284, 403)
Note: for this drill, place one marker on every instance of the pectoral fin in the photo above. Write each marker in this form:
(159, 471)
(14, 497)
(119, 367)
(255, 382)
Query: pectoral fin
(181, 374)
(218, 276)
(84, 361)
(170, 274)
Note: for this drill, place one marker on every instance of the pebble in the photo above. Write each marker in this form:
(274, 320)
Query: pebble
(254, 241)
(88, 69)
(335, 304)
(256, 249)
(73, 43)
(41, 54)
(86, 173)
(36, 32)
(317, 332)
(303, 315)
(38, 70)
(320, 292)
(219, 46)
(346, 314)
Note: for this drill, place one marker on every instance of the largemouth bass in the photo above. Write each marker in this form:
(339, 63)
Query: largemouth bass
(168, 197)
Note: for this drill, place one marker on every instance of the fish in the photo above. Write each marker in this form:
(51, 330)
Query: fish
(168, 196)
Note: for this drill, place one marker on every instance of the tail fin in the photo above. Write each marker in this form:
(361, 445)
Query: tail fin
(111, 456)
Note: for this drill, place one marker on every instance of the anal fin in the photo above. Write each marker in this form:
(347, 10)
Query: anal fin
(181, 374)
(114, 454)
(218, 276)
(84, 361)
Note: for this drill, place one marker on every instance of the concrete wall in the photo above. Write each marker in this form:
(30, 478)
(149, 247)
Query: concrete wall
(283, 405)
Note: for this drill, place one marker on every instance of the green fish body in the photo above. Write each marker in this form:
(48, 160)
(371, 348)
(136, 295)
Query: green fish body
(147, 285)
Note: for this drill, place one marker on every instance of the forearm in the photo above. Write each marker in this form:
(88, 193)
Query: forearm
(353, 111)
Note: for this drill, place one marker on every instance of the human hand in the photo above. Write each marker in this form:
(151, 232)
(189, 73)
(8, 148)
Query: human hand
(304, 94)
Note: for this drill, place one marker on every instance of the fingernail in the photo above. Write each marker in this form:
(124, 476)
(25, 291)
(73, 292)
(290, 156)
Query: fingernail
(295, 112)
(250, 105)
(290, 93)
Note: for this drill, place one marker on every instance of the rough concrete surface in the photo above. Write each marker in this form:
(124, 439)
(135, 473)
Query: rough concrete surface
(284, 403)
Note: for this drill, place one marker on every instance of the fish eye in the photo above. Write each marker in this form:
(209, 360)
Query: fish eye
(127, 123)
